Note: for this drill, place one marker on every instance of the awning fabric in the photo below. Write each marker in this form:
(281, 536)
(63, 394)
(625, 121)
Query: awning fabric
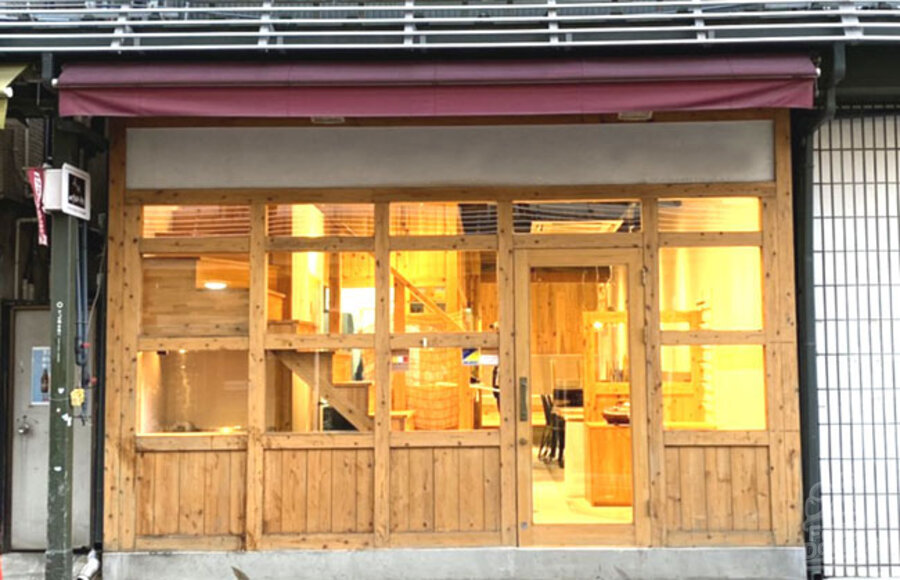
(436, 89)
(8, 73)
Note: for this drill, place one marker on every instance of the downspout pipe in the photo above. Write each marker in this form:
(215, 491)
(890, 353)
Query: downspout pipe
(91, 567)
(804, 127)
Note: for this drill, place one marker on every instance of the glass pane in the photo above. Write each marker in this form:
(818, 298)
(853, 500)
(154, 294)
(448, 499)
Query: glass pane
(577, 217)
(443, 218)
(443, 291)
(435, 389)
(183, 391)
(195, 221)
(321, 292)
(191, 295)
(710, 214)
(581, 396)
(718, 388)
(321, 219)
(715, 288)
(320, 390)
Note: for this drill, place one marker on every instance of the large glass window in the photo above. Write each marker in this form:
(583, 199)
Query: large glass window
(710, 214)
(444, 291)
(192, 221)
(323, 390)
(449, 218)
(714, 387)
(437, 389)
(321, 292)
(577, 217)
(195, 295)
(321, 219)
(710, 288)
(181, 391)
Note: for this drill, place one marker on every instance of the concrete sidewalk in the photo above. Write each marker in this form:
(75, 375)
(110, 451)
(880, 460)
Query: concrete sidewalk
(30, 565)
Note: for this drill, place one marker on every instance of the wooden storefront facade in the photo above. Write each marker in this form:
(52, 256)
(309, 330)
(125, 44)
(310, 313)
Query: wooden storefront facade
(271, 477)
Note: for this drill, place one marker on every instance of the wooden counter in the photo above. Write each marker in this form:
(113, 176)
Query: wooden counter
(609, 479)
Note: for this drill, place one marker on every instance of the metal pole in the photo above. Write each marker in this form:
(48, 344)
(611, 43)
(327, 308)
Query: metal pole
(64, 245)
(64, 242)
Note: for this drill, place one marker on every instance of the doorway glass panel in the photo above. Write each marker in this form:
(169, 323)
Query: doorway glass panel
(581, 396)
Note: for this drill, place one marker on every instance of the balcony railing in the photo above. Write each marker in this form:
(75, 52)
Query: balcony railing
(278, 25)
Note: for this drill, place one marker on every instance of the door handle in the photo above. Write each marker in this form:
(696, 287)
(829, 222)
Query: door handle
(524, 407)
(23, 427)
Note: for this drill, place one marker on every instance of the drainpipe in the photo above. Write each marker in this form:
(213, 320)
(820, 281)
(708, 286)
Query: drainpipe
(17, 251)
(90, 568)
(804, 127)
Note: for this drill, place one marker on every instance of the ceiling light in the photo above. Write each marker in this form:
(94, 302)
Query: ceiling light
(215, 285)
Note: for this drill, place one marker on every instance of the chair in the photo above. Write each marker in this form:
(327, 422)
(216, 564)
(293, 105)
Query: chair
(546, 449)
(553, 438)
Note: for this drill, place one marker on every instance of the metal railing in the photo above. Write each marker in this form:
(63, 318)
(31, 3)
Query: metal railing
(184, 25)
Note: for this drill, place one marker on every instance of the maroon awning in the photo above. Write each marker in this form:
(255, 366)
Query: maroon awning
(436, 89)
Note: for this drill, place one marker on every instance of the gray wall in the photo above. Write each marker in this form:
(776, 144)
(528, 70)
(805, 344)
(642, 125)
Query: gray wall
(485, 155)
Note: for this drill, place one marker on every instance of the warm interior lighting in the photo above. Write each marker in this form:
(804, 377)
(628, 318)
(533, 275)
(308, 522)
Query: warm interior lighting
(215, 285)
(580, 227)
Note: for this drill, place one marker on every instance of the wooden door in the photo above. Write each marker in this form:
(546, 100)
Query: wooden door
(582, 454)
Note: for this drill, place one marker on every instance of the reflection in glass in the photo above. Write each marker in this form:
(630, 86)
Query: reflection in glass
(577, 217)
(443, 291)
(320, 390)
(192, 295)
(710, 214)
(194, 221)
(443, 218)
(321, 292)
(183, 391)
(308, 220)
(581, 396)
(710, 288)
(439, 389)
(719, 388)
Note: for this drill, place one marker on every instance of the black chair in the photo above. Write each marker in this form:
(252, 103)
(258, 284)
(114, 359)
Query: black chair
(553, 438)
(546, 449)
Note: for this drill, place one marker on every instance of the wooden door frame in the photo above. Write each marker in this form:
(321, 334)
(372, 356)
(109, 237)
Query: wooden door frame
(637, 533)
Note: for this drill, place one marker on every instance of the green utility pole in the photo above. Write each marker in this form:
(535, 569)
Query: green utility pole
(63, 379)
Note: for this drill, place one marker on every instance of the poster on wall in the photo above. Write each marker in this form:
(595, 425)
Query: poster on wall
(400, 360)
(40, 375)
(471, 357)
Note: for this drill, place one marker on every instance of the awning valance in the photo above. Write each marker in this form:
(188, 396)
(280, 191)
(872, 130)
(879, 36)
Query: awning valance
(436, 89)
(8, 73)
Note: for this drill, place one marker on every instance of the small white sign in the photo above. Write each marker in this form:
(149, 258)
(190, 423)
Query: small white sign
(76, 192)
(68, 190)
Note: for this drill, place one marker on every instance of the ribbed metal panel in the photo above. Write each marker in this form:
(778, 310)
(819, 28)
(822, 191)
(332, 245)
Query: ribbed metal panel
(179, 25)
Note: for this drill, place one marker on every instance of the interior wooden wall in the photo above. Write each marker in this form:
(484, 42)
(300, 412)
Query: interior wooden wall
(170, 290)
(171, 493)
